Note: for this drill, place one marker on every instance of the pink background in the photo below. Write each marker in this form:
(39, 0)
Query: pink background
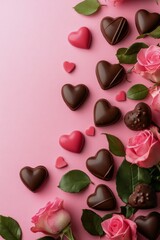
(33, 47)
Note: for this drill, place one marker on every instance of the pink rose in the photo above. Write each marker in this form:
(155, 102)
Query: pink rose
(52, 219)
(148, 63)
(143, 150)
(119, 228)
(155, 93)
(155, 132)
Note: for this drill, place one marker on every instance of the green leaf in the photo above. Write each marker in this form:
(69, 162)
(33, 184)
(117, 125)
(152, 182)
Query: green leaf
(87, 7)
(115, 145)
(129, 55)
(154, 34)
(74, 181)
(107, 216)
(128, 211)
(10, 229)
(128, 176)
(92, 222)
(137, 92)
(155, 177)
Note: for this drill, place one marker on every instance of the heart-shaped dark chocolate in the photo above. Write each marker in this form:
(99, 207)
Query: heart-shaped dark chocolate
(101, 165)
(109, 75)
(33, 178)
(114, 29)
(146, 22)
(143, 197)
(74, 96)
(149, 226)
(102, 199)
(140, 118)
(105, 114)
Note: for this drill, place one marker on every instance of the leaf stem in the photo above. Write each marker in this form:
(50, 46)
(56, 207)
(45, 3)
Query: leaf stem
(67, 232)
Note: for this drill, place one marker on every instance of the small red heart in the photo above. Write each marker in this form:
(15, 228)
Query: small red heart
(69, 66)
(60, 163)
(81, 38)
(90, 131)
(121, 96)
(73, 142)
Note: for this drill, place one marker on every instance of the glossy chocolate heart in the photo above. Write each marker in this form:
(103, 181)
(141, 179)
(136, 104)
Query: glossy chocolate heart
(114, 29)
(33, 178)
(74, 96)
(146, 22)
(143, 197)
(149, 226)
(101, 165)
(109, 75)
(102, 199)
(140, 118)
(105, 114)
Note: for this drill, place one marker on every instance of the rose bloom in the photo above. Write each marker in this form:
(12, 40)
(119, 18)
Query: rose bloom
(143, 150)
(52, 219)
(155, 93)
(148, 63)
(119, 228)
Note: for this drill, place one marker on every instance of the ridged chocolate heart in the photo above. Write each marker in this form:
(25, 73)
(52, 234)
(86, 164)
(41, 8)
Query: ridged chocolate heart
(143, 197)
(33, 178)
(105, 114)
(74, 96)
(109, 75)
(149, 226)
(114, 29)
(102, 199)
(140, 118)
(101, 165)
(146, 21)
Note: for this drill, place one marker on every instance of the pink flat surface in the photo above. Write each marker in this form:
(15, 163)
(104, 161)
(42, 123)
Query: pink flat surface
(33, 115)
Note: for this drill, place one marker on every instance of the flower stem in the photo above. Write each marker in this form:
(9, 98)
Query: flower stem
(67, 232)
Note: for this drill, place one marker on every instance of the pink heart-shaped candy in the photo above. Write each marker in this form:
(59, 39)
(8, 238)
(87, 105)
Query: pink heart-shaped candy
(81, 38)
(121, 96)
(90, 131)
(60, 163)
(69, 66)
(73, 142)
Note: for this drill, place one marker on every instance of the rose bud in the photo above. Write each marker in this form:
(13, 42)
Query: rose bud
(52, 219)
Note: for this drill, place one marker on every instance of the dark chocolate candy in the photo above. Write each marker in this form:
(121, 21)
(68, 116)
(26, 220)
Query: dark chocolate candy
(143, 197)
(101, 165)
(140, 118)
(74, 96)
(149, 226)
(33, 178)
(105, 114)
(146, 21)
(102, 199)
(114, 29)
(109, 75)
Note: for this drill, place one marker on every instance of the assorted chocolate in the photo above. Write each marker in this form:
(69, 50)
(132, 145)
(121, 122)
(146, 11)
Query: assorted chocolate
(33, 178)
(74, 96)
(114, 29)
(140, 118)
(146, 22)
(101, 165)
(149, 226)
(109, 75)
(102, 199)
(143, 197)
(105, 114)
